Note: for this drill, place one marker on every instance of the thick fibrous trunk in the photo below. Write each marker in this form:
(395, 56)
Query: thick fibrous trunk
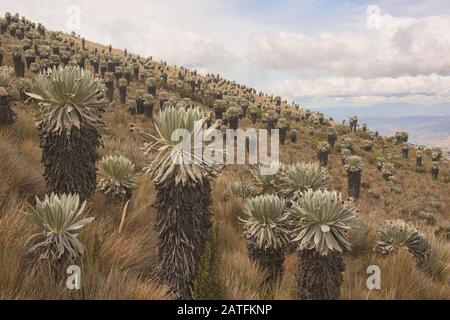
(319, 277)
(434, 173)
(163, 79)
(151, 89)
(19, 66)
(139, 106)
(270, 260)
(136, 73)
(111, 66)
(254, 117)
(65, 61)
(354, 182)
(218, 114)
(148, 109)
(69, 160)
(405, 153)
(121, 198)
(419, 161)
(161, 103)
(282, 133)
(118, 75)
(293, 138)
(234, 123)
(127, 76)
(29, 61)
(332, 140)
(123, 94)
(82, 62)
(95, 65)
(323, 158)
(7, 115)
(183, 224)
(110, 90)
(270, 125)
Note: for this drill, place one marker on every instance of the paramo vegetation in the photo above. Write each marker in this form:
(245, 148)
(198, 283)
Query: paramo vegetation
(87, 179)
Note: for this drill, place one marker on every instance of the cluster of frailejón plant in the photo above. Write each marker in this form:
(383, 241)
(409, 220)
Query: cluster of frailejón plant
(71, 101)
(397, 233)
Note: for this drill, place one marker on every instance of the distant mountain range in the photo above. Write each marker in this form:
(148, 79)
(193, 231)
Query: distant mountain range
(428, 125)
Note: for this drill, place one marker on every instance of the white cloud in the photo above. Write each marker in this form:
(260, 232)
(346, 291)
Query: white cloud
(403, 46)
(406, 60)
(192, 33)
(177, 46)
(338, 90)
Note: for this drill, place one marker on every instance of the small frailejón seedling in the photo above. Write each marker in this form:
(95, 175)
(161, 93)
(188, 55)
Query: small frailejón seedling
(58, 220)
(265, 228)
(71, 101)
(379, 162)
(118, 177)
(322, 221)
(183, 196)
(367, 145)
(241, 189)
(348, 144)
(387, 170)
(299, 177)
(395, 234)
(345, 153)
(266, 177)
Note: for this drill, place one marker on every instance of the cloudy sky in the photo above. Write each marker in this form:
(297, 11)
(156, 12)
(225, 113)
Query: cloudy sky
(316, 52)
